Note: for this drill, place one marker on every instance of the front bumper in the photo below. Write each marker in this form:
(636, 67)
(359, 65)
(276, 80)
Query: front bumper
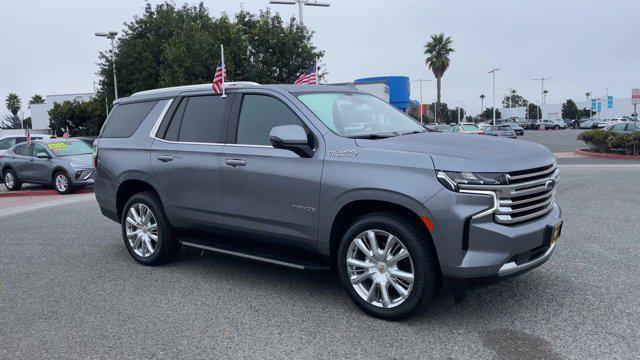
(83, 177)
(482, 248)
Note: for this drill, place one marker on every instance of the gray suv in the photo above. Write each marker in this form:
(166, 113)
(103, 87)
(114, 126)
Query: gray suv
(279, 173)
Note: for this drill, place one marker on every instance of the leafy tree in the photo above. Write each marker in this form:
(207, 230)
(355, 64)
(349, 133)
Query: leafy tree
(438, 50)
(570, 110)
(171, 46)
(487, 114)
(13, 104)
(36, 99)
(514, 100)
(533, 111)
(77, 117)
(481, 102)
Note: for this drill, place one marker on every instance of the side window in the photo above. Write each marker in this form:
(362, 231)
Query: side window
(258, 115)
(25, 150)
(205, 119)
(174, 125)
(125, 119)
(7, 143)
(39, 148)
(618, 127)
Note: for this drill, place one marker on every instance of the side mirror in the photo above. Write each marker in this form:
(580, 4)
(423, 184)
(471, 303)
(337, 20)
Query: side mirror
(43, 155)
(291, 137)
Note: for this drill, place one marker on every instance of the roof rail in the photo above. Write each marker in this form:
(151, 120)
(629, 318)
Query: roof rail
(194, 87)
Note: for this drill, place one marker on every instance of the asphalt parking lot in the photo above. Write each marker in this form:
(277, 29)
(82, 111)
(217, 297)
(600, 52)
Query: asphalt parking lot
(558, 141)
(71, 290)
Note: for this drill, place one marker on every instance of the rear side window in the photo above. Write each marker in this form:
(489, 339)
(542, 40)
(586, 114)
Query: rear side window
(258, 115)
(126, 118)
(204, 120)
(24, 150)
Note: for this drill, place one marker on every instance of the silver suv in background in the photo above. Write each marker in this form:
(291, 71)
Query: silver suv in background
(325, 177)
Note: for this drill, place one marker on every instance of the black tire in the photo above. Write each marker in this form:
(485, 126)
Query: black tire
(62, 190)
(17, 184)
(556, 127)
(167, 246)
(426, 273)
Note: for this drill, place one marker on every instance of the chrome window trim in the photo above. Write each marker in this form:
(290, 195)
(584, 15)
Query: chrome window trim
(154, 129)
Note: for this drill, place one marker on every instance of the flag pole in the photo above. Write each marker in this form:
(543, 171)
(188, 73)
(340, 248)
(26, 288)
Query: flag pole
(317, 72)
(224, 70)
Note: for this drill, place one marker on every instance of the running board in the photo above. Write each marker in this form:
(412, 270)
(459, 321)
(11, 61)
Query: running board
(252, 254)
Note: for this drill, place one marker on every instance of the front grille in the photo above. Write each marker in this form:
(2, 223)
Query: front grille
(528, 194)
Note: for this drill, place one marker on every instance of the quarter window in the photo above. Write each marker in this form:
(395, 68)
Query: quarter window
(205, 119)
(125, 119)
(39, 148)
(258, 115)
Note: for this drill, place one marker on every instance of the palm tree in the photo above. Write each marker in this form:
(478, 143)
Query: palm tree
(481, 103)
(36, 99)
(438, 50)
(13, 103)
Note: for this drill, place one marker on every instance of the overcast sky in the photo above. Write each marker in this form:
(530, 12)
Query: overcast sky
(48, 47)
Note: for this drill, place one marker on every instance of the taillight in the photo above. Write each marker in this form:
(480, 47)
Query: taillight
(481, 132)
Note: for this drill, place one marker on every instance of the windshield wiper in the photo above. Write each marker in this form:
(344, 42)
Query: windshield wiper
(413, 132)
(373, 136)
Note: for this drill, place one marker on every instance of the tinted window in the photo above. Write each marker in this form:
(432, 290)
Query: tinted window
(174, 126)
(38, 148)
(618, 127)
(470, 127)
(126, 118)
(25, 150)
(205, 119)
(258, 115)
(8, 143)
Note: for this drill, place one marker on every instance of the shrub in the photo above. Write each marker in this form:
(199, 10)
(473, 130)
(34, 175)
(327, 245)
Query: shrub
(627, 142)
(597, 140)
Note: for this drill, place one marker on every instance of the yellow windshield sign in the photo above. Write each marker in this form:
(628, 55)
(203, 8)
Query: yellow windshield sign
(57, 146)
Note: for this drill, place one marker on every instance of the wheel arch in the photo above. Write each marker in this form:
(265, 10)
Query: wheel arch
(356, 205)
(56, 170)
(128, 188)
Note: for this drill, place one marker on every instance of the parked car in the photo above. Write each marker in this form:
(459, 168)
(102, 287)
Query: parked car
(624, 126)
(590, 124)
(272, 174)
(531, 124)
(519, 121)
(571, 123)
(500, 130)
(519, 130)
(550, 124)
(433, 127)
(9, 141)
(466, 128)
(63, 163)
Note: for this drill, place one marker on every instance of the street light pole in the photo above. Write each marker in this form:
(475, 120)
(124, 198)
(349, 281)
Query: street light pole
(542, 79)
(300, 3)
(112, 36)
(421, 106)
(493, 73)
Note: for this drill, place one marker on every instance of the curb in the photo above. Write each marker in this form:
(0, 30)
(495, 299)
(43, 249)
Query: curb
(47, 192)
(607, 156)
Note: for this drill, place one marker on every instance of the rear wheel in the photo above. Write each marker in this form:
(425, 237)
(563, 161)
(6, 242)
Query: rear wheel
(11, 181)
(556, 127)
(386, 266)
(62, 183)
(146, 231)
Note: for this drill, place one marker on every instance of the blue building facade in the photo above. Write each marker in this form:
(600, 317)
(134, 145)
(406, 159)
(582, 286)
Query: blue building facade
(398, 89)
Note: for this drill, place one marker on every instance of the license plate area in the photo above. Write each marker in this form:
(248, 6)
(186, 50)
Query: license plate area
(553, 232)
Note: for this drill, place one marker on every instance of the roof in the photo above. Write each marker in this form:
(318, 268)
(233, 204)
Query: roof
(176, 90)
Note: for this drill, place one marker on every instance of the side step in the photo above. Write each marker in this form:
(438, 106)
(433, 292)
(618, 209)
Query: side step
(295, 261)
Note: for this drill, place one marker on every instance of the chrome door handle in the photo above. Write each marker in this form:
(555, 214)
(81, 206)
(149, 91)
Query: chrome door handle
(235, 162)
(164, 158)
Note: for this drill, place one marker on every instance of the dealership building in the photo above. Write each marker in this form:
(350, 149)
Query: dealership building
(620, 107)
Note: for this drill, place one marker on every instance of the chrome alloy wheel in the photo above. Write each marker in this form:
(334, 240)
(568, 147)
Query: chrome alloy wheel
(380, 268)
(61, 183)
(142, 230)
(9, 181)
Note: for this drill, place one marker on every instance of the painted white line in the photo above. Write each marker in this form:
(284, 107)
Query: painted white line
(65, 200)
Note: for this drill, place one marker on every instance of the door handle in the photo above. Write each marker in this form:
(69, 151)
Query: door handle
(164, 158)
(235, 162)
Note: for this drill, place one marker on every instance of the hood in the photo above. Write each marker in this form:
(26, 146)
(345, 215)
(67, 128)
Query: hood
(84, 159)
(462, 152)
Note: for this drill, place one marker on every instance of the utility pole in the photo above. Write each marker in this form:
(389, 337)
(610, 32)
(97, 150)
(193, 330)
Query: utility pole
(300, 4)
(493, 72)
(421, 104)
(459, 106)
(542, 79)
(112, 36)
(606, 89)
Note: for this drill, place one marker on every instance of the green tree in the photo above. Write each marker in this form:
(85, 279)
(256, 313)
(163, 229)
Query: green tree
(487, 114)
(172, 46)
(36, 99)
(514, 100)
(481, 102)
(533, 111)
(79, 118)
(570, 110)
(438, 50)
(13, 104)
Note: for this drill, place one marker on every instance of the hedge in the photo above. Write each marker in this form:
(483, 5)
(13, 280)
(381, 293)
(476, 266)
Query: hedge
(607, 141)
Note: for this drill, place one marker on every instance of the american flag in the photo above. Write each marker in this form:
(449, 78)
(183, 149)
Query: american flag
(309, 77)
(218, 78)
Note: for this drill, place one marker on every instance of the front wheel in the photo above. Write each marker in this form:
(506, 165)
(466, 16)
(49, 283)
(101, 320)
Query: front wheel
(557, 127)
(11, 181)
(386, 266)
(62, 183)
(146, 231)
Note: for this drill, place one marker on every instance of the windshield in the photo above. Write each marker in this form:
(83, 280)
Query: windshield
(68, 148)
(470, 127)
(357, 114)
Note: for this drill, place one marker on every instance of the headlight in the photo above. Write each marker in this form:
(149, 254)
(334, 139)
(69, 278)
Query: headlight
(451, 179)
